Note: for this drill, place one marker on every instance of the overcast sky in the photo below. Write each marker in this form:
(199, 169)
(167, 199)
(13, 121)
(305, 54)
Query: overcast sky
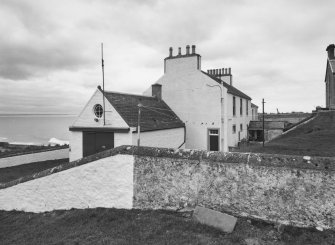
(50, 59)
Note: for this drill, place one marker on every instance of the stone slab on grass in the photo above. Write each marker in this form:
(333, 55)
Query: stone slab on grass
(214, 218)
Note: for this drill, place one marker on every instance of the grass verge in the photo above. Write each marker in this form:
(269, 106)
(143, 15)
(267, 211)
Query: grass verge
(117, 226)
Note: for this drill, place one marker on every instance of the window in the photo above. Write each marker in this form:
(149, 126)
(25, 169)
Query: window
(246, 107)
(241, 109)
(213, 139)
(234, 106)
(241, 127)
(234, 129)
(98, 110)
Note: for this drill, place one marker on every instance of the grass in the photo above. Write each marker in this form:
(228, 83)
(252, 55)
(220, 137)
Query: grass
(12, 173)
(118, 226)
(315, 138)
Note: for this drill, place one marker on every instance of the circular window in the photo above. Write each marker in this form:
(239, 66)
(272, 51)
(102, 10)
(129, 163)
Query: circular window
(98, 110)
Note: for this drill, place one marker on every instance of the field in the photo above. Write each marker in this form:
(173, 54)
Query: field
(12, 173)
(118, 226)
(315, 138)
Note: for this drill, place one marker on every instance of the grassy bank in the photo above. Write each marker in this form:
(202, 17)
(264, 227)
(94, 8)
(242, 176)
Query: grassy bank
(315, 138)
(115, 226)
(12, 173)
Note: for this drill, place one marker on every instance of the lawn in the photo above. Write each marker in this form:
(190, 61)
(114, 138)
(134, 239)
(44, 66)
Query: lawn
(12, 173)
(315, 138)
(118, 226)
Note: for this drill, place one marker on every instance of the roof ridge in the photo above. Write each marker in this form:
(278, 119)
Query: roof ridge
(228, 86)
(124, 93)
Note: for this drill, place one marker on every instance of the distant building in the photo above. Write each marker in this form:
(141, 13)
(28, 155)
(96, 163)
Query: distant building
(254, 112)
(330, 78)
(272, 130)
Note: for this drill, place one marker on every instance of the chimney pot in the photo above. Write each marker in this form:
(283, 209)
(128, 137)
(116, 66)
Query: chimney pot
(193, 49)
(226, 71)
(170, 52)
(220, 72)
(330, 50)
(216, 71)
(179, 51)
(229, 71)
(188, 49)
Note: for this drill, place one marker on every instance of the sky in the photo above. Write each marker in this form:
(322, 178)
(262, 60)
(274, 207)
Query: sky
(50, 51)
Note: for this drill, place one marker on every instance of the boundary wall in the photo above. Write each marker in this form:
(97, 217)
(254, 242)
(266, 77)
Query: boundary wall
(20, 159)
(291, 190)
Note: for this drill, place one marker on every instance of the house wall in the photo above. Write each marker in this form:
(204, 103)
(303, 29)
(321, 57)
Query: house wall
(112, 117)
(76, 145)
(87, 119)
(237, 120)
(168, 138)
(185, 89)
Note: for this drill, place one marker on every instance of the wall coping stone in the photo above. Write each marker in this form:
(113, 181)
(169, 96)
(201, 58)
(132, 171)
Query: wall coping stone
(52, 148)
(326, 164)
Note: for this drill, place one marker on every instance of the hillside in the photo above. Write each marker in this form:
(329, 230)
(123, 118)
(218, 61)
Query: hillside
(315, 138)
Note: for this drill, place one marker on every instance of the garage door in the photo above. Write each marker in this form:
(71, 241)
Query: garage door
(94, 142)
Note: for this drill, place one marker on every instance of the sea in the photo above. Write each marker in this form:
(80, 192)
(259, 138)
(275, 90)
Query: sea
(35, 129)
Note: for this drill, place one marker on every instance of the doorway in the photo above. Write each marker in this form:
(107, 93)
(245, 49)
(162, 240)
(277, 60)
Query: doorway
(94, 142)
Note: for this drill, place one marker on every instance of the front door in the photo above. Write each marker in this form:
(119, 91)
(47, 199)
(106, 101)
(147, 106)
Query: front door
(213, 139)
(94, 142)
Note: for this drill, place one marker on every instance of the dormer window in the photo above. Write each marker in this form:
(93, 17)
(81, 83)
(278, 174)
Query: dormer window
(98, 110)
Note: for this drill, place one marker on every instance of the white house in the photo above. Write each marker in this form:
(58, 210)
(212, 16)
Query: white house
(186, 107)
(216, 114)
(97, 129)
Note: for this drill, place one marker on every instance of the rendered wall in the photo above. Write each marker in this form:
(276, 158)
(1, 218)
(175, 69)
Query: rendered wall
(34, 157)
(76, 145)
(168, 138)
(107, 182)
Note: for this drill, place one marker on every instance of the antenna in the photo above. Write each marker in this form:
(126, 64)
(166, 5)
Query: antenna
(103, 81)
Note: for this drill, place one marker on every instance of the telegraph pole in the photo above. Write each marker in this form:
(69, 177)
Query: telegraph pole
(139, 125)
(263, 102)
(103, 82)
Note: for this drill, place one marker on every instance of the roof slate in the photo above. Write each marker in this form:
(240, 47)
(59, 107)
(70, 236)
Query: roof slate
(155, 113)
(231, 90)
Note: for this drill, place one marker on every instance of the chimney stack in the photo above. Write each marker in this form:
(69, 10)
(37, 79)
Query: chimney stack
(188, 49)
(193, 49)
(330, 50)
(170, 52)
(179, 51)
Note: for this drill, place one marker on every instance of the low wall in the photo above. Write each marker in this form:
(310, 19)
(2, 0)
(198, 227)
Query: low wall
(34, 157)
(106, 182)
(292, 190)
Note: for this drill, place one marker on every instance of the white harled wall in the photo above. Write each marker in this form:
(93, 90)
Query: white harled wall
(185, 89)
(167, 138)
(107, 182)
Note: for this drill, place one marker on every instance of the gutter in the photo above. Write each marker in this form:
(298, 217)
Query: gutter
(184, 137)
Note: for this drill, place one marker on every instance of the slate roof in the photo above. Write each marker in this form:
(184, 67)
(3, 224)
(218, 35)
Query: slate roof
(231, 90)
(253, 105)
(155, 113)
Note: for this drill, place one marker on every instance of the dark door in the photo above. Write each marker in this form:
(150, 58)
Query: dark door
(213, 139)
(94, 142)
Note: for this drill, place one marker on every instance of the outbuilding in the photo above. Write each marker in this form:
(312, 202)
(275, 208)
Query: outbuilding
(100, 127)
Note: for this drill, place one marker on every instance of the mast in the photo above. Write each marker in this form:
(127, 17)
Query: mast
(103, 82)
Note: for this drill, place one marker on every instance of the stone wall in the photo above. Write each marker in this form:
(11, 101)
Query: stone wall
(292, 190)
(281, 189)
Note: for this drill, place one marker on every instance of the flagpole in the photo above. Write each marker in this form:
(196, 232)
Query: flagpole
(103, 81)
